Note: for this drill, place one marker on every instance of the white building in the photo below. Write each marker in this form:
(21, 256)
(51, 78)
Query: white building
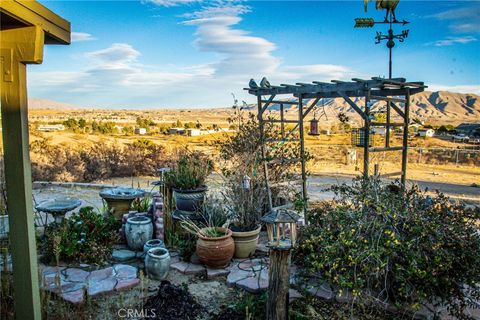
(141, 131)
(191, 132)
(51, 127)
(426, 133)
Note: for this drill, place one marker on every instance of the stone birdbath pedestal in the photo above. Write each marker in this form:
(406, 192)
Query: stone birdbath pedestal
(58, 207)
(119, 200)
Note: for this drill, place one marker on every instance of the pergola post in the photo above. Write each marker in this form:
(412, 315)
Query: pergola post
(19, 47)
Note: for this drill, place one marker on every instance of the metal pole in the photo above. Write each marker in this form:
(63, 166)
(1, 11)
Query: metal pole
(263, 152)
(302, 155)
(405, 138)
(366, 136)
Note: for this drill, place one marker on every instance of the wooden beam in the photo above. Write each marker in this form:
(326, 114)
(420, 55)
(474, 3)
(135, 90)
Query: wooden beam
(33, 13)
(354, 106)
(398, 110)
(22, 45)
(269, 101)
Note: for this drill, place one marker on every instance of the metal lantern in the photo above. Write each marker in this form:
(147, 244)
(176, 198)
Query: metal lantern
(277, 221)
(313, 127)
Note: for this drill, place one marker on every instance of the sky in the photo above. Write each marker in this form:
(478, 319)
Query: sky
(193, 53)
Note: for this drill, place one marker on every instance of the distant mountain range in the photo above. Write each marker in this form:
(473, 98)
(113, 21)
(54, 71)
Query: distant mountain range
(431, 107)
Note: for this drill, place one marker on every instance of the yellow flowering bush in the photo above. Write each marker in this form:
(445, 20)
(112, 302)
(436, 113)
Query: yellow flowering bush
(399, 247)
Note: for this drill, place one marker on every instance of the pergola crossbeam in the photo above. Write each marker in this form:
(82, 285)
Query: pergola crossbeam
(396, 90)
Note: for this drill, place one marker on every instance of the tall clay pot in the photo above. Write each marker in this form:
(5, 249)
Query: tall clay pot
(138, 230)
(245, 242)
(216, 252)
(157, 263)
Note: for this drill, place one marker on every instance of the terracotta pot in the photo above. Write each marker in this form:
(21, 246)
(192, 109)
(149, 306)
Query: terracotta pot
(216, 252)
(245, 242)
(189, 200)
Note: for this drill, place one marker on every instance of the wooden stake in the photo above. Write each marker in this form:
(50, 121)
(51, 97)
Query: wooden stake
(278, 285)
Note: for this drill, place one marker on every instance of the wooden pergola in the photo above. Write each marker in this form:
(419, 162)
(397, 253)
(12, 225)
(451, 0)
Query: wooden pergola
(395, 92)
(25, 27)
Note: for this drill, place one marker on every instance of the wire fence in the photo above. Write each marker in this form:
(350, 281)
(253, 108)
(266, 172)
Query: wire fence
(347, 154)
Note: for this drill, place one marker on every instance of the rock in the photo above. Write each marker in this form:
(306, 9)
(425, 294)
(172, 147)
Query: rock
(213, 273)
(253, 265)
(123, 284)
(236, 275)
(194, 259)
(253, 284)
(294, 294)
(75, 274)
(124, 271)
(101, 286)
(101, 274)
(188, 268)
(75, 297)
(50, 269)
(123, 255)
(65, 287)
(321, 292)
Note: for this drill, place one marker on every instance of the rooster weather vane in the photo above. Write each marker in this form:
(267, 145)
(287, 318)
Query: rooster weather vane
(390, 19)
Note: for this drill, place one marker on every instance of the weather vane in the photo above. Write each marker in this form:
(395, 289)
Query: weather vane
(390, 19)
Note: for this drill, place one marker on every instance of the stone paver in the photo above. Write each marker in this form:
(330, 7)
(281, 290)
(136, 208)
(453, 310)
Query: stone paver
(236, 275)
(101, 274)
(214, 273)
(125, 271)
(294, 294)
(188, 268)
(75, 274)
(75, 297)
(101, 286)
(123, 284)
(71, 283)
(122, 255)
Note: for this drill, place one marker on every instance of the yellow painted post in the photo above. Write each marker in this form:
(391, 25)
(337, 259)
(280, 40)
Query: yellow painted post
(20, 47)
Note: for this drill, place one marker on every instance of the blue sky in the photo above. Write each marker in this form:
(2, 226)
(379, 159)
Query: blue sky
(191, 53)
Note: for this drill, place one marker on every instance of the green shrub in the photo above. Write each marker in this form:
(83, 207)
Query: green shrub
(86, 237)
(408, 248)
(190, 171)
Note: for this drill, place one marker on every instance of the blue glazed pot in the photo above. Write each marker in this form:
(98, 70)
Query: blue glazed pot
(157, 263)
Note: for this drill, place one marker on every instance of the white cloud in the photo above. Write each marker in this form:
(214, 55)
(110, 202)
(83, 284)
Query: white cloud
(81, 36)
(458, 88)
(459, 16)
(115, 76)
(449, 41)
(171, 3)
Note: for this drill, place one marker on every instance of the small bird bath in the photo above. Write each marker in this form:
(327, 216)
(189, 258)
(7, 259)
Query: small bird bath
(58, 207)
(119, 200)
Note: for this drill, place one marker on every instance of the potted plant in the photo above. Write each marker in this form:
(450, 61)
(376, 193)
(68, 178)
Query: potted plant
(187, 180)
(244, 198)
(215, 246)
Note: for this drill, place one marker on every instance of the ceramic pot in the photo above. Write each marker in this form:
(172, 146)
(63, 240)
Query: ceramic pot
(154, 243)
(216, 252)
(4, 227)
(157, 263)
(189, 200)
(138, 230)
(245, 242)
(118, 208)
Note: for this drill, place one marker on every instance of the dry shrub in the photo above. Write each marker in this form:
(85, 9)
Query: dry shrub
(100, 161)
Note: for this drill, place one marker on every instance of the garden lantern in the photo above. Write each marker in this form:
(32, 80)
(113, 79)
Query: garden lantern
(246, 182)
(278, 221)
(280, 244)
(313, 127)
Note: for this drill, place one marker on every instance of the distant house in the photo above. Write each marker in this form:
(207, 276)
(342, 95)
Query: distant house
(51, 127)
(140, 131)
(468, 129)
(193, 132)
(178, 130)
(426, 133)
